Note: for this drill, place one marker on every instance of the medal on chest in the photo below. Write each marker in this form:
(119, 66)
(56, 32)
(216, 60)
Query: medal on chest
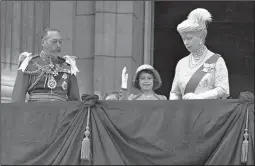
(51, 82)
(51, 71)
(64, 76)
(64, 85)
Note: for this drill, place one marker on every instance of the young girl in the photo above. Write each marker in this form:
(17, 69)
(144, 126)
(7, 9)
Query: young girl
(146, 80)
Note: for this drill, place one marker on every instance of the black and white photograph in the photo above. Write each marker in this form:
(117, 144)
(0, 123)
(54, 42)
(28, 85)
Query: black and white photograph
(62, 61)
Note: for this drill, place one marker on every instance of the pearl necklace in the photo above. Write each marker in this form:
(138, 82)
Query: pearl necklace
(148, 96)
(198, 57)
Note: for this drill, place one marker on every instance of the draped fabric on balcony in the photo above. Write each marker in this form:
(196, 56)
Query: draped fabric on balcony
(129, 132)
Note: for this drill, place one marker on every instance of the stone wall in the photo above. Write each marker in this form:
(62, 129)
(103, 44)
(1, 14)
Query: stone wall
(21, 24)
(118, 42)
(105, 36)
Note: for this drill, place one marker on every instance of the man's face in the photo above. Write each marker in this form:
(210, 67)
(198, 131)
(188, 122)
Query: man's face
(51, 43)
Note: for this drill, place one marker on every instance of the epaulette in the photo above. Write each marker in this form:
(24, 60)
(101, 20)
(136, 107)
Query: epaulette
(33, 63)
(72, 62)
(34, 59)
(62, 60)
(23, 56)
(66, 67)
(25, 59)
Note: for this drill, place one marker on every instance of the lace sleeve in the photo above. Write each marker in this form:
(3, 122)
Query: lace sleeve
(221, 83)
(221, 78)
(175, 93)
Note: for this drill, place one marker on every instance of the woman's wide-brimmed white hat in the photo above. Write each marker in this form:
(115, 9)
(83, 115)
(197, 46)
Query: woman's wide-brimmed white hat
(197, 21)
(157, 80)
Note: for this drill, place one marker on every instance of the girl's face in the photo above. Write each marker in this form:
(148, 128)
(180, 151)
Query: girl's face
(146, 81)
(52, 42)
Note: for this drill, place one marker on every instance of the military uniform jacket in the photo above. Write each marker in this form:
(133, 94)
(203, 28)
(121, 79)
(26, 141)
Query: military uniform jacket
(45, 78)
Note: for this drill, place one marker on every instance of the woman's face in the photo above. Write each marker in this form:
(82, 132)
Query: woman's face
(146, 81)
(192, 41)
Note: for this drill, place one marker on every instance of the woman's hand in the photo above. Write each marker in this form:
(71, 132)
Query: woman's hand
(124, 78)
(190, 96)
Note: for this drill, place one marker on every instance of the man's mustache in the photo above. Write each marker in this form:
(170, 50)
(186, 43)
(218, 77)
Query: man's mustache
(58, 50)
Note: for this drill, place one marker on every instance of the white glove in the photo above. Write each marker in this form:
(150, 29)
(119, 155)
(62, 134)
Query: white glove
(124, 78)
(213, 94)
(190, 96)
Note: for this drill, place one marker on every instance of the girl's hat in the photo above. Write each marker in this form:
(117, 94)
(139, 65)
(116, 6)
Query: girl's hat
(157, 80)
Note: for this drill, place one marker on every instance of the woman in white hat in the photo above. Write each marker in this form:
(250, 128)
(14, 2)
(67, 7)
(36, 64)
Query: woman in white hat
(146, 79)
(202, 74)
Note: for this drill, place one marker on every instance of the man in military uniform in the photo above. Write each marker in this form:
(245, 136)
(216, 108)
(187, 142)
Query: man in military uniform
(47, 76)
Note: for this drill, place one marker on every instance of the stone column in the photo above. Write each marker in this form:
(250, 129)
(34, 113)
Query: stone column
(21, 23)
(118, 42)
(148, 32)
(84, 44)
(10, 46)
(62, 17)
(75, 20)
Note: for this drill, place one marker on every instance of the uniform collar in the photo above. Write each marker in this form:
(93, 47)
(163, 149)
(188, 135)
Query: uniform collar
(49, 58)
